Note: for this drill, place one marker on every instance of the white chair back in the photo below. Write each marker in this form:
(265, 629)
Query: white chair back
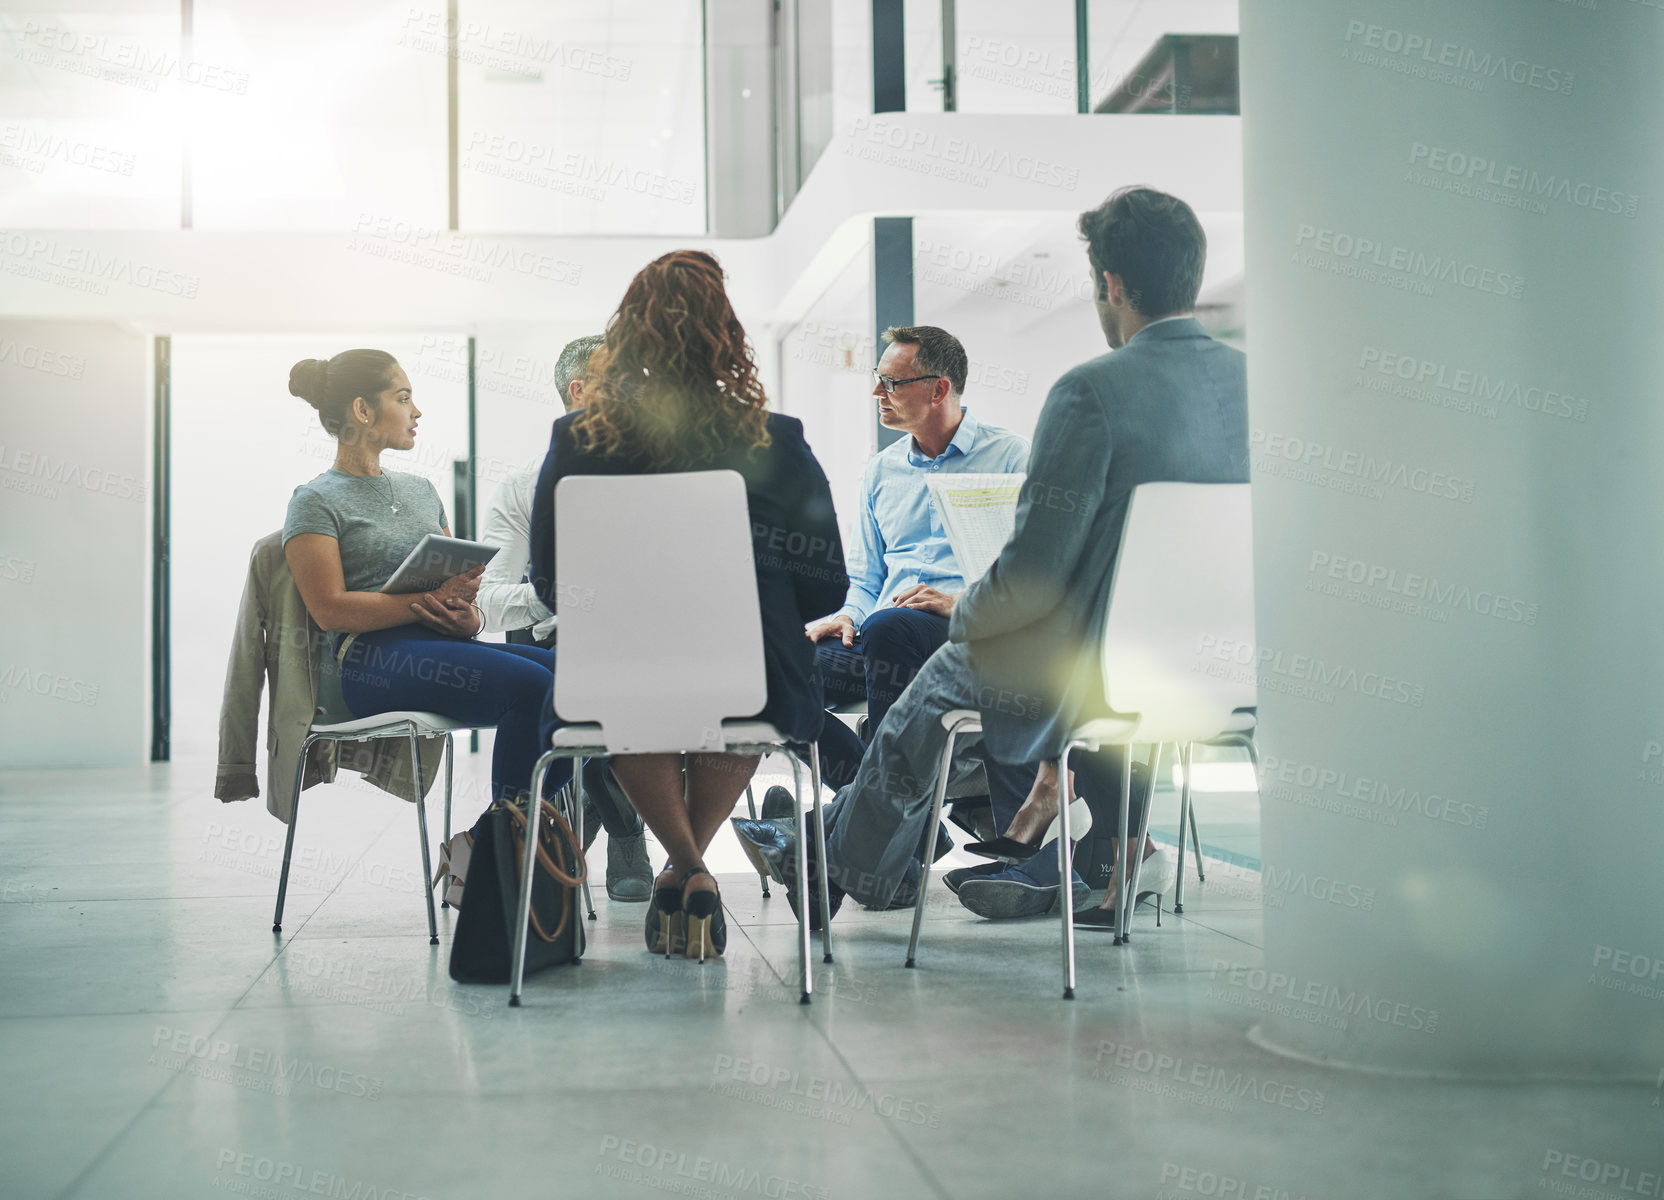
(661, 639)
(1178, 646)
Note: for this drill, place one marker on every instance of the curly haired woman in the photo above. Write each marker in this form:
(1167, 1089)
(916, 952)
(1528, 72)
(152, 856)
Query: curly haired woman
(676, 389)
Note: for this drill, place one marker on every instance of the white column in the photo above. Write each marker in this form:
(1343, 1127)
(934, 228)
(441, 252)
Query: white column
(1455, 270)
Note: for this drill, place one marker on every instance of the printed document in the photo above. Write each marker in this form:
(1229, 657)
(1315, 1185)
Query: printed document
(978, 513)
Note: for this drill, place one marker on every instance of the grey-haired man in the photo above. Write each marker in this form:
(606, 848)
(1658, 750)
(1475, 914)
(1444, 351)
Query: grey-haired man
(509, 604)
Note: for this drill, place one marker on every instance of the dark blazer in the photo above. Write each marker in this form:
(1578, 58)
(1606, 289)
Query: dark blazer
(1170, 405)
(794, 537)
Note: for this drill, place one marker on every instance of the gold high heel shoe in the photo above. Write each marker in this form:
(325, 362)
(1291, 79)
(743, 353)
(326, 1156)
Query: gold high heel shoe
(666, 927)
(706, 931)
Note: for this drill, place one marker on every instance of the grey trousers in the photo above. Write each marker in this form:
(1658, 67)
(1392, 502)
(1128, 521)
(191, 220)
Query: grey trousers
(874, 826)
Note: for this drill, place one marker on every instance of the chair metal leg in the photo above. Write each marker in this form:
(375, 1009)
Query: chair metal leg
(1195, 843)
(1185, 754)
(450, 761)
(820, 856)
(289, 840)
(523, 906)
(943, 769)
(1134, 858)
(751, 806)
(1121, 872)
(1066, 870)
(576, 819)
(566, 799)
(422, 827)
(802, 851)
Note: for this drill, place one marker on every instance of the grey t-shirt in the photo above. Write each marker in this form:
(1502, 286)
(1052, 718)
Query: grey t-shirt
(355, 510)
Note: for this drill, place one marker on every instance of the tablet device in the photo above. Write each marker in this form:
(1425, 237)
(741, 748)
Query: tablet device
(435, 559)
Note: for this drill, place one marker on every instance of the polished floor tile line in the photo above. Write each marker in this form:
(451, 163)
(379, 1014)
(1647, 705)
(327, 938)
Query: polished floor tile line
(809, 1012)
(288, 938)
(1201, 924)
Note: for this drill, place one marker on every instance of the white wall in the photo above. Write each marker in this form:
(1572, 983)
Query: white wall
(516, 396)
(74, 544)
(825, 365)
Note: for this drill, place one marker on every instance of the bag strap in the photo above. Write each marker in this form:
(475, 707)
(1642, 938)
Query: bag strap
(557, 826)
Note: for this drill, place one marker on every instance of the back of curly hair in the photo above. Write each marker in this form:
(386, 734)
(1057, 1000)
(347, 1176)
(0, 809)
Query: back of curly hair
(677, 383)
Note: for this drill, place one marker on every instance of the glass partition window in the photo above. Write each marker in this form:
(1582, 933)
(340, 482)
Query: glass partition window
(586, 116)
(334, 115)
(582, 117)
(851, 66)
(89, 124)
(1015, 58)
(922, 22)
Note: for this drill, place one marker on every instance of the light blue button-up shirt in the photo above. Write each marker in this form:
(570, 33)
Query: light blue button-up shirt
(901, 541)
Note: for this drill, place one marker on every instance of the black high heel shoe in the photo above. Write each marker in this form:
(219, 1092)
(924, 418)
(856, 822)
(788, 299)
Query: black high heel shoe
(1010, 850)
(665, 922)
(707, 931)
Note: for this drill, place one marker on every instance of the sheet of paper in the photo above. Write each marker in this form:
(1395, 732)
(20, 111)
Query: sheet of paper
(978, 512)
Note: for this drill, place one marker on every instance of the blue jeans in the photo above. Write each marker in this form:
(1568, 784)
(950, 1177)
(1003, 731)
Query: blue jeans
(876, 826)
(481, 683)
(890, 647)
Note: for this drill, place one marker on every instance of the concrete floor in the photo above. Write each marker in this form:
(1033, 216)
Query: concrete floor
(157, 1040)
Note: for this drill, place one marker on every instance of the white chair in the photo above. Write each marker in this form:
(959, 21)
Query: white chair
(639, 561)
(1244, 739)
(1183, 588)
(413, 725)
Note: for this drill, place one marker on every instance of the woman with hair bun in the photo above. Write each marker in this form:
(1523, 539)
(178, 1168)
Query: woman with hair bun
(675, 388)
(348, 530)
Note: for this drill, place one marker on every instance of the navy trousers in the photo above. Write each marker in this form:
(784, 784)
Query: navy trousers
(890, 647)
(481, 683)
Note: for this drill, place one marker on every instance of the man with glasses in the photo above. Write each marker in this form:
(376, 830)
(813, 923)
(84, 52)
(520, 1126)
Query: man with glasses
(1169, 403)
(902, 572)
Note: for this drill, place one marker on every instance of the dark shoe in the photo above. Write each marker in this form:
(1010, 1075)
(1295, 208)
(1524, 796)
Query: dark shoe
(768, 844)
(1010, 850)
(1095, 918)
(666, 932)
(707, 931)
(1004, 849)
(1011, 893)
(906, 896)
(788, 879)
(592, 823)
(779, 804)
(958, 876)
(629, 875)
(834, 893)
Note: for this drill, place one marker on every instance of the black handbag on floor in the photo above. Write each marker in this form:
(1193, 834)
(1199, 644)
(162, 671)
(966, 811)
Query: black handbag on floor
(483, 946)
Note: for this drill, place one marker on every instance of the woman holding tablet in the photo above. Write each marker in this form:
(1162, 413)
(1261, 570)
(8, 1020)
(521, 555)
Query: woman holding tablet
(346, 533)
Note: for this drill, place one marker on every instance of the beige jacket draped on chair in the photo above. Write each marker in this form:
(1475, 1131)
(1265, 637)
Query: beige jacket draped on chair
(276, 647)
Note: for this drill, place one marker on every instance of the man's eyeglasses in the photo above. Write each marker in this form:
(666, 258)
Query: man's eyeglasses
(890, 385)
